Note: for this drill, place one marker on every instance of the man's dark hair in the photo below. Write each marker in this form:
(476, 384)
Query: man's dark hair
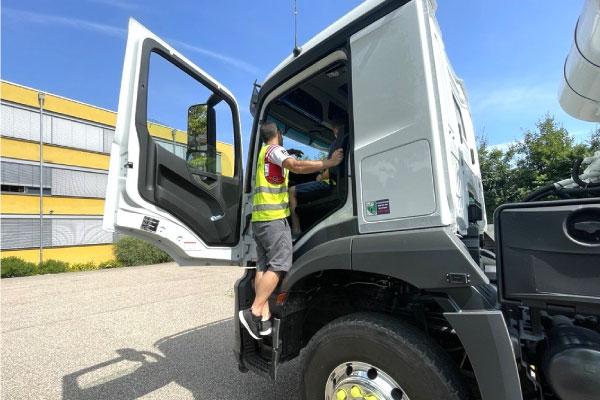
(268, 130)
(340, 121)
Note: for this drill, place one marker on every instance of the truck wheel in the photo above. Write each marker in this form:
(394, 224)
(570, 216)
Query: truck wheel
(375, 357)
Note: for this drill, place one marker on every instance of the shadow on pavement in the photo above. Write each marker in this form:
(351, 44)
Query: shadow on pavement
(199, 359)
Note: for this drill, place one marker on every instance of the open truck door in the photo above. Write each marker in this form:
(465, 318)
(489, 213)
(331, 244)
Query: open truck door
(175, 176)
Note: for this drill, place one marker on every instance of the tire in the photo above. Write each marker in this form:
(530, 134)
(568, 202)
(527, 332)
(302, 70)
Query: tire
(421, 369)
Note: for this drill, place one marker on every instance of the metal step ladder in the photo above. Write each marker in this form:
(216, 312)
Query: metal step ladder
(262, 356)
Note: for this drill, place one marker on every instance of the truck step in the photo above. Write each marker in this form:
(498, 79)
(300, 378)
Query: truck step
(262, 356)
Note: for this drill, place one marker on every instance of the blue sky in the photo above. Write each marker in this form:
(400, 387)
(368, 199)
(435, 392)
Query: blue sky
(510, 53)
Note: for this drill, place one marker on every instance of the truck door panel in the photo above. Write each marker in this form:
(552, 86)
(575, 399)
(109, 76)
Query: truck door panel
(173, 180)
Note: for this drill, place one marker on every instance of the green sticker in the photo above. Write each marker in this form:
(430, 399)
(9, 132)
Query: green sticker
(378, 207)
(371, 208)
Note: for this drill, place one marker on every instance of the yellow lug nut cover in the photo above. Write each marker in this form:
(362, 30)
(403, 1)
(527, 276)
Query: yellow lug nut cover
(356, 391)
(371, 397)
(341, 395)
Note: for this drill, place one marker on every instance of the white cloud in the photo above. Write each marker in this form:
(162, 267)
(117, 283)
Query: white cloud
(122, 4)
(514, 98)
(234, 62)
(503, 146)
(109, 30)
(44, 19)
(581, 134)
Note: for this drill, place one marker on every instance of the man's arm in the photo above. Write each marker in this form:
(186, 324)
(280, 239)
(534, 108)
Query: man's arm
(310, 166)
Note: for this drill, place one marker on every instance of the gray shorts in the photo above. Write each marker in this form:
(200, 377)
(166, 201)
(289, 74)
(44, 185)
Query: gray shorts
(273, 245)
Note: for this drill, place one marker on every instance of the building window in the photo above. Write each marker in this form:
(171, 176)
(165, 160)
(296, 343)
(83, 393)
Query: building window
(13, 189)
(25, 189)
(19, 233)
(36, 190)
(22, 123)
(25, 178)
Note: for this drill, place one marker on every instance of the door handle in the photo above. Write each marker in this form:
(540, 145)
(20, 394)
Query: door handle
(590, 227)
(215, 218)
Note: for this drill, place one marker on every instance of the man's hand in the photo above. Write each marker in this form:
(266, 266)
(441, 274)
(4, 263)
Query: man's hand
(295, 152)
(311, 166)
(337, 157)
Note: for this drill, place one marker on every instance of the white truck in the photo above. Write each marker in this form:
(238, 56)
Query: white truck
(388, 296)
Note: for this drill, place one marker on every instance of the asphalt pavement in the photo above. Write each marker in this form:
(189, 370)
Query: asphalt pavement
(152, 332)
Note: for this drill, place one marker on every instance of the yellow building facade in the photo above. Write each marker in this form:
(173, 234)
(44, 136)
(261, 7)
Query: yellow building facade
(77, 139)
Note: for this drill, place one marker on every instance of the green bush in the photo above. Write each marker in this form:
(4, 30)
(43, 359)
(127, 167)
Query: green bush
(53, 267)
(109, 264)
(130, 251)
(83, 266)
(15, 266)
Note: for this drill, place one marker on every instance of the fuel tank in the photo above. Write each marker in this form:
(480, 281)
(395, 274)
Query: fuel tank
(571, 363)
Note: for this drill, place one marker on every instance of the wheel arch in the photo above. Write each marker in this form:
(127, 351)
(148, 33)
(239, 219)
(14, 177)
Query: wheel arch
(425, 258)
(461, 307)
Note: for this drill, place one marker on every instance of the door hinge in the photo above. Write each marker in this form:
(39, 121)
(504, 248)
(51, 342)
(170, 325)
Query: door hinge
(128, 164)
(458, 278)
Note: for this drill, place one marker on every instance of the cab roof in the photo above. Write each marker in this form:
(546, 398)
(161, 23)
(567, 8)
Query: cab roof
(365, 10)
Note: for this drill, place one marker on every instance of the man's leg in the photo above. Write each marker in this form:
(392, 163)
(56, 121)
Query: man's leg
(251, 317)
(303, 193)
(266, 313)
(293, 204)
(264, 288)
(275, 239)
(257, 278)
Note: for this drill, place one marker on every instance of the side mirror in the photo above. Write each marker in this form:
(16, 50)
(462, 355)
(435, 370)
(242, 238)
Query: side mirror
(201, 138)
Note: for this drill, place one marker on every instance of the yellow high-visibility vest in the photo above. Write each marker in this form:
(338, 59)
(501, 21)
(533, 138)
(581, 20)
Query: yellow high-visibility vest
(270, 200)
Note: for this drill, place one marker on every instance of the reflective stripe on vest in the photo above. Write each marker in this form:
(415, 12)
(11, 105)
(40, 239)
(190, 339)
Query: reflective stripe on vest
(266, 207)
(266, 189)
(270, 200)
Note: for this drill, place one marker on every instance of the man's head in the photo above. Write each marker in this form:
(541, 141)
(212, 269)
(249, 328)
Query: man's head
(269, 131)
(338, 125)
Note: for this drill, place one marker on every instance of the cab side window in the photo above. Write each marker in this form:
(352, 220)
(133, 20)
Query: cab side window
(188, 120)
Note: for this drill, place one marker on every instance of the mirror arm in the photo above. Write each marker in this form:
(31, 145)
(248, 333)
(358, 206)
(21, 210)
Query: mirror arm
(213, 100)
(211, 132)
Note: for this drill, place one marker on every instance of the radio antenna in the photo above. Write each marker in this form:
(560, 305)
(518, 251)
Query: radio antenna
(297, 49)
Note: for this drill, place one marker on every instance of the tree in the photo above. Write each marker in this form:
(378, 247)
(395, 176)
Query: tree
(544, 155)
(197, 123)
(496, 174)
(594, 140)
(201, 155)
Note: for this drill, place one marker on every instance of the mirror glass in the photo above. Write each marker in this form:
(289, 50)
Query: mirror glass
(197, 133)
(198, 150)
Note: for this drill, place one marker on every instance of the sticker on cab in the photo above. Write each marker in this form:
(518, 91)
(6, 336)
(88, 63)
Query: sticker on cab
(378, 207)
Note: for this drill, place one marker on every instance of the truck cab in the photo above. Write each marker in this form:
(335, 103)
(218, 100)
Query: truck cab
(387, 295)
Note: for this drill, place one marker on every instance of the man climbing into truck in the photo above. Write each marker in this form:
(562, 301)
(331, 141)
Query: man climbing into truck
(271, 230)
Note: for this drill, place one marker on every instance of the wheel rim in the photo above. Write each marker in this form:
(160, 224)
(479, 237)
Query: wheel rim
(355, 380)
